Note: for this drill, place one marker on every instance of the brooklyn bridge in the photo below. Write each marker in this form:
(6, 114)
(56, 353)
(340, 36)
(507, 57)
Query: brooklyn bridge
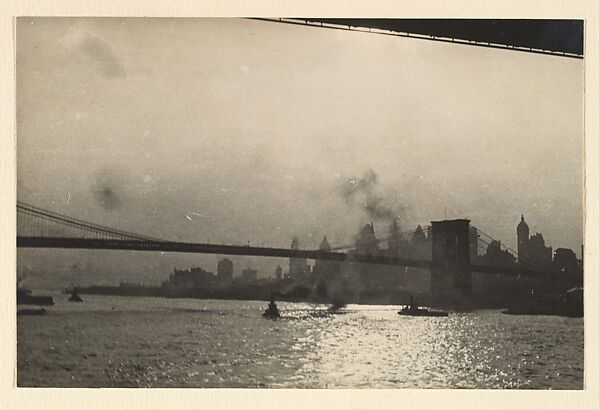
(450, 263)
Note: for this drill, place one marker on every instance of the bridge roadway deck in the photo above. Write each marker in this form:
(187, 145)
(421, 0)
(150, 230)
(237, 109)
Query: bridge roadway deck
(185, 247)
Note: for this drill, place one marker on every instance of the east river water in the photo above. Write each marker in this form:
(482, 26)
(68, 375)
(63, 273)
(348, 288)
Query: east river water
(155, 342)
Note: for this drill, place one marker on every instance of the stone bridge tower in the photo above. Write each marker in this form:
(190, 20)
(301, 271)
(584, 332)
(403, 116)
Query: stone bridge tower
(450, 262)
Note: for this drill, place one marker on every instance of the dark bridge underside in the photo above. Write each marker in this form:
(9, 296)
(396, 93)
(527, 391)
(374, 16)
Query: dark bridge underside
(164, 246)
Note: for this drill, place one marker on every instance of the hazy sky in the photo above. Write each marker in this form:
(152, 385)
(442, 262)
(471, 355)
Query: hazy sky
(232, 130)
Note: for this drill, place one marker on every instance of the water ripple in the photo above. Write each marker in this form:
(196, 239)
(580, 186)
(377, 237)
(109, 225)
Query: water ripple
(153, 342)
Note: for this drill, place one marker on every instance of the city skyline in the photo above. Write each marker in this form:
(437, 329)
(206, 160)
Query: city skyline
(532, 251)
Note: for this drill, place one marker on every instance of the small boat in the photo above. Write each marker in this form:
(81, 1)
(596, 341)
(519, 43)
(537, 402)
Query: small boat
(24, 297)
(75, 297)
(416, 311)
(272, 312)
(336, 306)
(31, 312)
(413, 310)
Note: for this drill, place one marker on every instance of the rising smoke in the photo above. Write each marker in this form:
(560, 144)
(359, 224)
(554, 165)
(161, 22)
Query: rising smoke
(366, 193)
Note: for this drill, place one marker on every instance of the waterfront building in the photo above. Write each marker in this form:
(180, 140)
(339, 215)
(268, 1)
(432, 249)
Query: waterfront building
(495, 256)
(537, 251)
(249, 274)
(298, 266)
(566, 261)
(225, 270)
(195, 277)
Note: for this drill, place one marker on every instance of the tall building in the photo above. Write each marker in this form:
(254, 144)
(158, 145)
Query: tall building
(225, 270)
(298, 266)
(537, 251)
(278, 273)
(421, 244)
(495, 256)
(367, 243)
(532, 250)
(325, 246)
(249, 274)
(324, 267)
(397, 244)
(522, 240)
(320, 264)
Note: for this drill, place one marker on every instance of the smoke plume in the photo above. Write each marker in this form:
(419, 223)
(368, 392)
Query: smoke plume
(365, 192)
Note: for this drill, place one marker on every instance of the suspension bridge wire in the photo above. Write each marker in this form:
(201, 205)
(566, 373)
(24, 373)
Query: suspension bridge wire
(531, 263)
(94, 232)
(37, 216)
(78, 223)
(521, 257)
(94, 229)
(494, 239)
(501, 266)
(526, 261)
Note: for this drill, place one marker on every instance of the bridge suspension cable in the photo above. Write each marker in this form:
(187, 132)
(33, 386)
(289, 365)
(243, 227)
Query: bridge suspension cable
(499, 251)
(99, 231)
(522, 258)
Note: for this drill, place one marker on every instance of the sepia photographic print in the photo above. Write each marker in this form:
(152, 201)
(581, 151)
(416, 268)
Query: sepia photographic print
(300, 203)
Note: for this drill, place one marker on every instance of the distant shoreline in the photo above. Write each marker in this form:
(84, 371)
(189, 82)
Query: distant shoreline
(551, 306)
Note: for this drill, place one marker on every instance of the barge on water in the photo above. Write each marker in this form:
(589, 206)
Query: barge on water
(413, 310)
(24, 297)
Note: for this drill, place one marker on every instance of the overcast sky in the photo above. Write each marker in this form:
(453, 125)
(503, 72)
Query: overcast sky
(234, 130)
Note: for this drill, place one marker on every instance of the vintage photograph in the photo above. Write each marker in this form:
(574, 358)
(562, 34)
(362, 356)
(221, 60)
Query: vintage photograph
(289, 203)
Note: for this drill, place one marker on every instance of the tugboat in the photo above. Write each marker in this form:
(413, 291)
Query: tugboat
(31, 312)
(336, 306)
(74, 296)
(272, 312)
(24, 297)
(413, 310)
